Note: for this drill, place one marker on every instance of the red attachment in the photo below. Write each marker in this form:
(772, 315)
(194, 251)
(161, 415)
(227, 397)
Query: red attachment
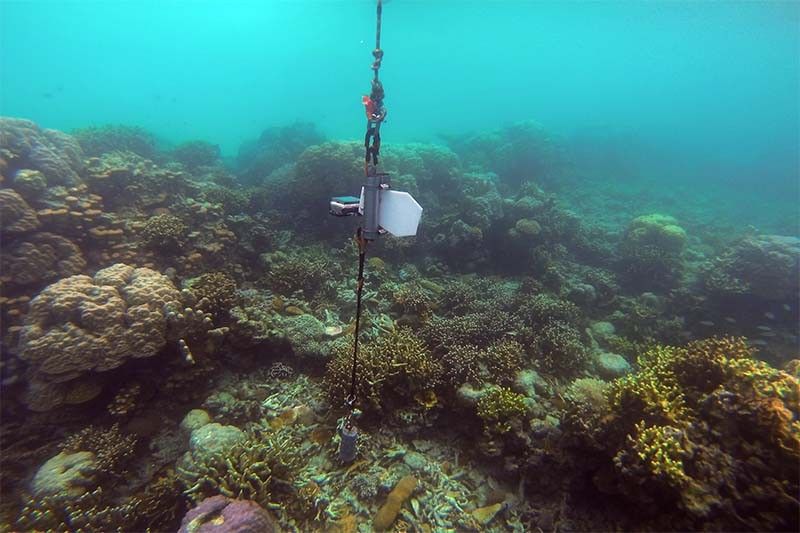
(369, 106)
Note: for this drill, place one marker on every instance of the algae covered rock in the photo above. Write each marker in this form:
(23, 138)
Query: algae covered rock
(213, 438)
(66, 474)
(610, 365)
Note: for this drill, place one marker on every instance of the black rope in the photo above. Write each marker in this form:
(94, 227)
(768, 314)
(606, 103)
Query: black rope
(362, 253)
(372, 136)
(378, 31)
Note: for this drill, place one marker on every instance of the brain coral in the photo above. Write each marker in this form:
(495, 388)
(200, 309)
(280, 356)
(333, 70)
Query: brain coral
(55, 154)
(41, 258)
(16, 214)
(81, 324)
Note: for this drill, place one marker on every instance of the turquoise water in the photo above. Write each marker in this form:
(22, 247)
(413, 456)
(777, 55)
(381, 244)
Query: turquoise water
(718, 80)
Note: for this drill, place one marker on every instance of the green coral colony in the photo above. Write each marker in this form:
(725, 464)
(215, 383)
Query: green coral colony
(173, 343)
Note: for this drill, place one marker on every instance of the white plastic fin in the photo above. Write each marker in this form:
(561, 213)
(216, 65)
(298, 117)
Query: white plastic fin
(399, 213)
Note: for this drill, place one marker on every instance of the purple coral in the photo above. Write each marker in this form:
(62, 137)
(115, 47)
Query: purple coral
(219, 514)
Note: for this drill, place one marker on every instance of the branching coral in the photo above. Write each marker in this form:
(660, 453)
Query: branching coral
(305, 270)
(461, 364)
(503, 359)
(543, 308)
(165, 232)
(218, 289)
(111, 449)
(480, 329)
(392, 369)
(660, 449)
(706, 423)
(498, 407)
(559, 349)
(250, 469)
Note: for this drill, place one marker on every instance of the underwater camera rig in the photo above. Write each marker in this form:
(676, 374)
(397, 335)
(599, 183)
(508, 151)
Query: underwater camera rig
(383, 211)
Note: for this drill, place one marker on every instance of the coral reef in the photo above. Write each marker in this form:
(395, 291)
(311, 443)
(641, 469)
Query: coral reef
(98, 140)
(173, 333)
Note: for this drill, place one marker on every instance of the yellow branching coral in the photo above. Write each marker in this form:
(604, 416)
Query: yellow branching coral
(498, 407)
(659, 447)
(653, 392)
(702, 421)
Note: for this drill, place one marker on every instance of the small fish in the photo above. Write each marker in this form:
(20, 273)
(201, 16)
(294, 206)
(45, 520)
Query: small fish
(787, 308)
(757, 342)
(769, 315)
(707, 323)
(730, 320)
(767, 334)
(764, 328)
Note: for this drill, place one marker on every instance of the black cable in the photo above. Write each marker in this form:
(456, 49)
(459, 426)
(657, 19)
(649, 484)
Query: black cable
(362, 253)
